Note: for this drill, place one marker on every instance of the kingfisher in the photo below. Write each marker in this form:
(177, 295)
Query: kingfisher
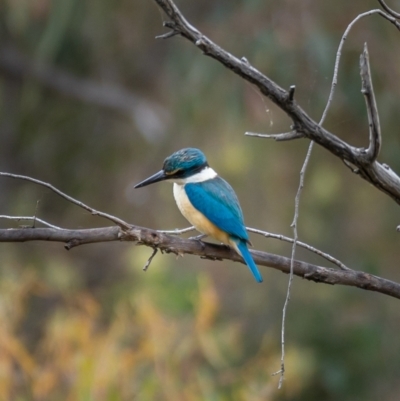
(206, 200)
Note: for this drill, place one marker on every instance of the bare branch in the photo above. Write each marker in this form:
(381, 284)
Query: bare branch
(295, 239)
(339, 55)
(94, 212)
(179, 246)
(301, 186)
(375, 139)
(299, 191)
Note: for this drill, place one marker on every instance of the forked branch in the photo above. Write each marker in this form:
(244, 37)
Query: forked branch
(380, 176)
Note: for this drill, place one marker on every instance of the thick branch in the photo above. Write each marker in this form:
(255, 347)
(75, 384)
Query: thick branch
(381, 177)
(71, 238)
(180, 246)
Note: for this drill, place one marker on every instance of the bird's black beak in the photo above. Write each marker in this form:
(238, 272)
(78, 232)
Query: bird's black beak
(160, 176)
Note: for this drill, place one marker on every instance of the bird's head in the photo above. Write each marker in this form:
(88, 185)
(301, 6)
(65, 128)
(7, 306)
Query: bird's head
(180, 165)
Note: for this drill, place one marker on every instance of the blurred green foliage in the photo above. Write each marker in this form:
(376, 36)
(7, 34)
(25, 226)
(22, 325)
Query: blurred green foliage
(89, 324)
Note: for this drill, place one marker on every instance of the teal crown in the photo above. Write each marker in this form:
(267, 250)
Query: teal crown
(184, 162)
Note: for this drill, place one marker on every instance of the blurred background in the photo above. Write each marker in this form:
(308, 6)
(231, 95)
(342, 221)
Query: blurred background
(92, 103)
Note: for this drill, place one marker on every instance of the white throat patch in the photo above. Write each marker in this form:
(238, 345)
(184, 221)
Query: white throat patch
(206, 174)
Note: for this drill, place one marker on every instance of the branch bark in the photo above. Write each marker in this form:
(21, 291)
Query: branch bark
(380, 176)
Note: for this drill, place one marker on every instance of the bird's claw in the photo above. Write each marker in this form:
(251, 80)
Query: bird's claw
(198, 237)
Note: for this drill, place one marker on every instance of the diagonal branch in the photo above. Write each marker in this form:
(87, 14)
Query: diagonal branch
(300, 244)
(380, 176)
(94, 212)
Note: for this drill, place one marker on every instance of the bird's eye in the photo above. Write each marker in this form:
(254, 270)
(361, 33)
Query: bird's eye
(173, 172)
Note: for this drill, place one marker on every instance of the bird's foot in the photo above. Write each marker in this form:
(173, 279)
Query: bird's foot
(199, 237)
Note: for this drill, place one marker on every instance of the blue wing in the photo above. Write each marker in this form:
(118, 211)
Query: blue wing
(218, 202)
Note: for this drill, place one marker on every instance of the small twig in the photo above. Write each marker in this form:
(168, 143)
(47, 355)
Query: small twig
(389, 10)
(146, 266)
(199, 237)
(167, 35)
(291, 92)
(285, 136)
(301, 244)
(375, 138)
(177, 231)
(171, 9)
(351, 166)
(30, 218)
(94, 212)
(36, 212)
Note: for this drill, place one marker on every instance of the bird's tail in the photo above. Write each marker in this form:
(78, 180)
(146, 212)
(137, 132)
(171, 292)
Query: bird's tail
(241, 248)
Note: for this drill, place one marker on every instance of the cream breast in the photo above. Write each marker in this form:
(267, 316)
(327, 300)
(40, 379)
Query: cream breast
(201, 223)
